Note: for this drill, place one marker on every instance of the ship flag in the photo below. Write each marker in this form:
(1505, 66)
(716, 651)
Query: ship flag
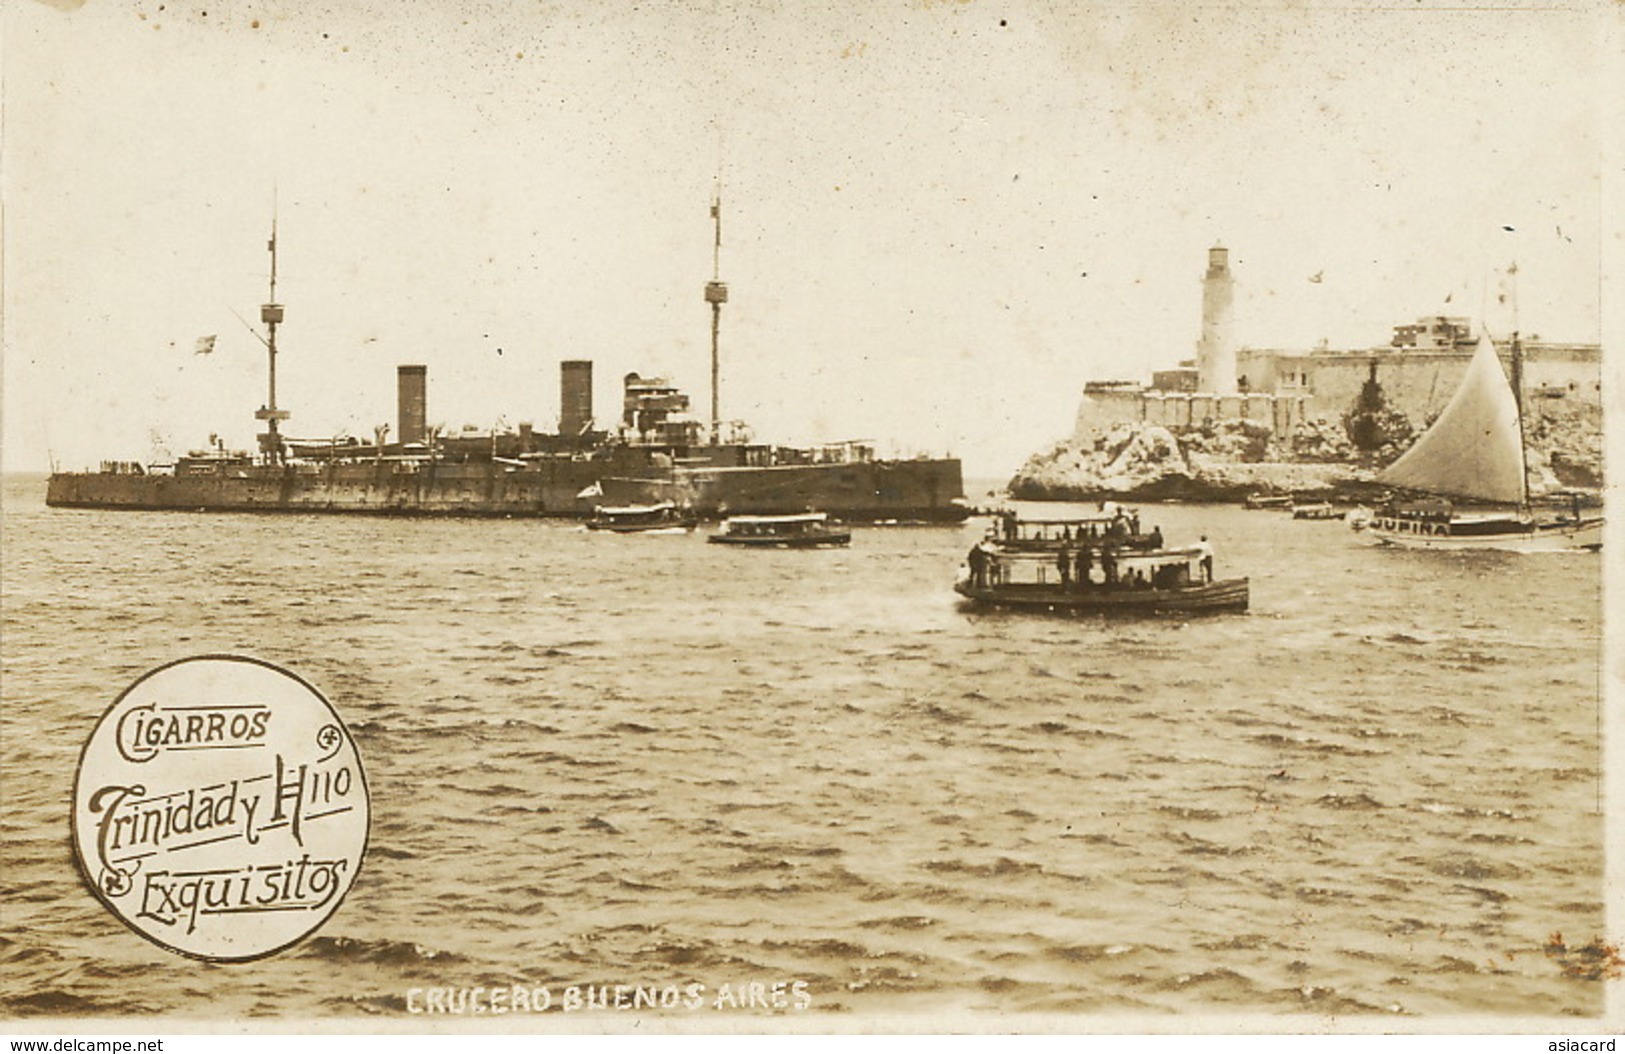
(205, 345)
(594, 491)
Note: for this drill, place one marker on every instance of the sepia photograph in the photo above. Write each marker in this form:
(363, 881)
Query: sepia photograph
(738, 516)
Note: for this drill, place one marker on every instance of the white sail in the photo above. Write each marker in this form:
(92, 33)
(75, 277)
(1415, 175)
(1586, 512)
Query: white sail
(1474, 449)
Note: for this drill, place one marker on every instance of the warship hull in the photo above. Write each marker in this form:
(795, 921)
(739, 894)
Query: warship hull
(924, 490)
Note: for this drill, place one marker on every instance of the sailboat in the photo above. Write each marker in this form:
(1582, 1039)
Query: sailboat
(1475, 451)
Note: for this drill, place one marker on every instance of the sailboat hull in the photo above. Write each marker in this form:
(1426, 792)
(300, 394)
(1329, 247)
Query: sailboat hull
(1475, 450)
(1555, 537)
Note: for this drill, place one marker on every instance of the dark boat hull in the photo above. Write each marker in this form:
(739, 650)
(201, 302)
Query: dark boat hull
(671, 527)
(1227, 595)
(830, 540)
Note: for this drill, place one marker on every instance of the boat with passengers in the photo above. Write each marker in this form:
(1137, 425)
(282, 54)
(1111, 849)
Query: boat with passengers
(805, 530)
(1094, 565)
(664, 517)
(1110, 522)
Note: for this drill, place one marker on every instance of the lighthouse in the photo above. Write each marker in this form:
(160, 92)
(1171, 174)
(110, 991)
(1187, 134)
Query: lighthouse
(1216, 353)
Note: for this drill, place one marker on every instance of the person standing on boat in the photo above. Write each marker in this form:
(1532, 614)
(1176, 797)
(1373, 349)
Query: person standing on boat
(1108, 565)
(1156, 538)
(990, 563)
(978, 566)
(1086, 562)
(1063, 561)
(1205, 551)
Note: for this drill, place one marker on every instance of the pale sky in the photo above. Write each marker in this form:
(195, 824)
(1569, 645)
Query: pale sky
(940, 217)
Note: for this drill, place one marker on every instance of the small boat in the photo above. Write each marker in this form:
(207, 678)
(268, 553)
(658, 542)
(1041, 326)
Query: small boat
(1316, 510)
(1278, 502)
(1475, 451)
(806, 530)
(662, 517)
(1099, 576)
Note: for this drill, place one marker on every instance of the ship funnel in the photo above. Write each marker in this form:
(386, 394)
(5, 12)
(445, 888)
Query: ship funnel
(575, 396)
(412, 402)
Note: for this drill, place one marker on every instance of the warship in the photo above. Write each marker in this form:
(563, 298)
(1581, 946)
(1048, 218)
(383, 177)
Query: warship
(656, 452)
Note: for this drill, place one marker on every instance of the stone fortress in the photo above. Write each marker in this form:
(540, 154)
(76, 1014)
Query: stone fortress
(1285, 390)
(1236, 421)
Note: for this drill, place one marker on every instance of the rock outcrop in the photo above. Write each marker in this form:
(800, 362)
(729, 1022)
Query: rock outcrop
(1235, 459)
(1565, 442)
(1149, 463)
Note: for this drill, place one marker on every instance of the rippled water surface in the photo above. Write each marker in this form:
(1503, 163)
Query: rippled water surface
(646, 760)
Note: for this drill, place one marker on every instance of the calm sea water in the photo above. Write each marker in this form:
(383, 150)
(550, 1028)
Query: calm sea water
(645, 760)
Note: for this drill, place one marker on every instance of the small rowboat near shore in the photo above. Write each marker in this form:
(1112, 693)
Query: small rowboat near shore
(807, 530)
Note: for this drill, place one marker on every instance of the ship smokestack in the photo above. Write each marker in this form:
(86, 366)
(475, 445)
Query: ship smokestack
(1216, 354)
(575, 396)
(412, 403)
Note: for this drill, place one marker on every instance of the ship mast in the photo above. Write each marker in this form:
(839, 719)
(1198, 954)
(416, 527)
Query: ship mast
(1517, 387)
(716, 294)
(271, 315)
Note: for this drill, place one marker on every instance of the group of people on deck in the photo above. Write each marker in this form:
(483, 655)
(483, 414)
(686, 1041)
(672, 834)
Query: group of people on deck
(1078, 563)
(1077, 568)
(1114, 527)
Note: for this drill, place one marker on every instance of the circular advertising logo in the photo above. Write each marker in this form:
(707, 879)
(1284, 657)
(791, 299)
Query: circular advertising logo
(220, 809)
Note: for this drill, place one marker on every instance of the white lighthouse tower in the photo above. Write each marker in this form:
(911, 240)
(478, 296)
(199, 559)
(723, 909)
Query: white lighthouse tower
(1216, 354)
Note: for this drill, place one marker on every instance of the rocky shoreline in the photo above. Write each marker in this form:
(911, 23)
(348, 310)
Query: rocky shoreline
(1238, 460)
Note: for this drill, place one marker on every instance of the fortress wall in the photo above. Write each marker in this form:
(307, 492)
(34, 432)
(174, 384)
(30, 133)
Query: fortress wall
(1420, 382)
(1257, 367)
(1100, 410)
(1417, 385)
(1577, 371)
(1179, 413)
